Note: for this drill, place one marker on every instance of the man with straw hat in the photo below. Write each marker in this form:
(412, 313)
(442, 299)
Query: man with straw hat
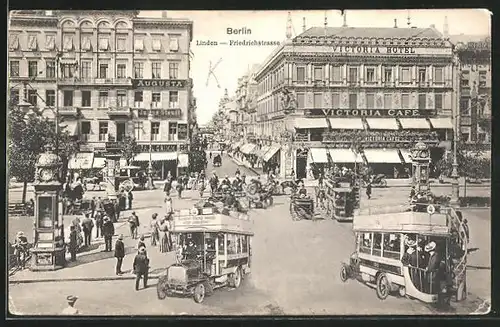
(141, 267)
(432, 267)
(70, 309)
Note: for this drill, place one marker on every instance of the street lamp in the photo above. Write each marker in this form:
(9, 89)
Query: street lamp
(150, 164)
(455, 188)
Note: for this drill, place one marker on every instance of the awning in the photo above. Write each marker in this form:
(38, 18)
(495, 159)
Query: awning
(414, 123)
(99, 163)
(81, 160)
(247, 148)
(156, 156)
(442, 123)
(382, 156)
(260, 153)
(271, 152)
(310, 123)
(346, 123)
(320, 155)
(183, 160)
(237, 145)
(382, 123)
(482, 154)
(71, 127)
(406, 154)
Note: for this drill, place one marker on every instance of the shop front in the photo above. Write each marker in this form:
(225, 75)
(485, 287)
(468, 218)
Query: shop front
(272, 158)
(318, 160)
(384, 161)
(162, 163)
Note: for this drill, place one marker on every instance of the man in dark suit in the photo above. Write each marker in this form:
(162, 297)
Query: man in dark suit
(108, 230)
(141, 267)
(73, 239)
(119, 254)
(432, 268)
(87, 226)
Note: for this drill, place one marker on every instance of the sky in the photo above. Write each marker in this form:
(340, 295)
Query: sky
(235, 61)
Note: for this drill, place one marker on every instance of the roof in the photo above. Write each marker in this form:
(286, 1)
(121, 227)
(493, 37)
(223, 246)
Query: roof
(465, 38)
(369, 32)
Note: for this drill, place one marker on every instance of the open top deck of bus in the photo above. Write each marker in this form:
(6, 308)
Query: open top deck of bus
(210, 221)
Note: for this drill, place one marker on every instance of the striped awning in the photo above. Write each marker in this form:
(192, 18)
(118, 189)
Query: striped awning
(262, 151)
(346, 123)
(441, 123)
(247, 148)
(156, 156)
(320, 155)
(406, 154)
(382, 123)
(414, 123)
(183, 160)
(382, 156)
(271, 152)
(304, 123)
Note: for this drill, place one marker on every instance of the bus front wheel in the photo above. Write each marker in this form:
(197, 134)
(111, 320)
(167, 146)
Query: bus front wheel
(383, 286)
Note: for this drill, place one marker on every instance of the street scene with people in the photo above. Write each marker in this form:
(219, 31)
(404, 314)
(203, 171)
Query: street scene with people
(246, 210)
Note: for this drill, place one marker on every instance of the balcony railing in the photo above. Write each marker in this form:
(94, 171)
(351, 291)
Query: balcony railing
(381, 137)
(98, 81)
(68, 111)
(119, 111)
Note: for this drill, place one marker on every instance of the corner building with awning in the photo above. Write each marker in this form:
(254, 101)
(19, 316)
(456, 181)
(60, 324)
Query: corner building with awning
(380, 90)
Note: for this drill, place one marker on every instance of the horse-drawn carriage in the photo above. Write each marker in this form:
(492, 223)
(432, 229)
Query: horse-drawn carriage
(301, 207)
(217, 161)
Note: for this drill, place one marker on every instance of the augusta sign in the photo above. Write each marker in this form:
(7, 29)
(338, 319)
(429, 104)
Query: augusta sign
(161, 83)
(383, 113)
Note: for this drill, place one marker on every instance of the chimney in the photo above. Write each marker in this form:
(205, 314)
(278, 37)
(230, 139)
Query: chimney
(326, 20)
(164, 14)
(445, 27)
(409, 19)
(395, 23)
(303, 24)
(345, 19)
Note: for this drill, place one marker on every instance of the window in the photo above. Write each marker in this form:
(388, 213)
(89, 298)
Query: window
(464, 82)
(482, 78)
(370, 75)
(103, 99)
(353, 101)
(422, 98)
(138, 128)
(156, 69)
(50, 98)
(392, 246)
(301, 100)
(68, 71)
(464, 107)
(388, 101)
(50, 69)
(33, 68)
(13, 42)
(388, 74)
(33, 97)
(103, 131)
(173, 99)
(156, 100)
(317, 100)
(422, 75)
(438, 75)
(155, 131)
(68, 42)
(182, 131)
(172, 131)
(50, 42)
(156, 45)
(405, 101)
(14, 96)
(353, 74)
(139, 45)
(335, 100)
(318, 73)
(68, 98)
(104, 43)
(438, 100)
(370, 101)
(481, 137)
(86, 69)
(405, 75)
(86, 99)
(32, 42)
(138, 99)
(173, 70)
(121, 99)
(14, 68)
(465, 137)
(138, 69)
(377, 244)
(103, 70)
(337, 77)
(173, 43)
(121, 71)
(86, 42)
(301, 74)
(121, 131)
(365, 243)
(121, 42)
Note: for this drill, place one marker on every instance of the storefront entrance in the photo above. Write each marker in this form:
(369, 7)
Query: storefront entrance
(301, 163)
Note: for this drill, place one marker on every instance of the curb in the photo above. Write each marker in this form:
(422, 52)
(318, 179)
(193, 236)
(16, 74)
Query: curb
(77, 279)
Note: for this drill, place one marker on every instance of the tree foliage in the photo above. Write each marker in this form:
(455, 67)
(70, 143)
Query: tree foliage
(129, 148)
(197, 154)
(471, 163)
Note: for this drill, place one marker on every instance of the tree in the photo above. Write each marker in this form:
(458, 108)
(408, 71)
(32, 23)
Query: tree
(471, 163)
(129, 148)
(197, 154)
(28, 137)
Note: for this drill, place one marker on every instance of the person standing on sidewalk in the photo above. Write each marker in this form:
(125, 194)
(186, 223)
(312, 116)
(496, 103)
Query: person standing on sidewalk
(108, 230)
(87, 226)
(117, 209)
(130, 199)
(73, 239)
(369, 190)
(141, 243)
(92, 207)
(154, 229)
(70, 309)
(141, 267)
(98, 222)
(134, 225)
(119, 254)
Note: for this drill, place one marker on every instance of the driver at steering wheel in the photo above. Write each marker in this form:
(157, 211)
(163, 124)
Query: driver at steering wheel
(191, 251)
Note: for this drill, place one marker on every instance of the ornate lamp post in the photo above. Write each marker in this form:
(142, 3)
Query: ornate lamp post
(150, 164)
(455, 188)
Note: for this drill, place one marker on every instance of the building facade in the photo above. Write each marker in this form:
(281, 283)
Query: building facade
(109, 75)
(376, 90)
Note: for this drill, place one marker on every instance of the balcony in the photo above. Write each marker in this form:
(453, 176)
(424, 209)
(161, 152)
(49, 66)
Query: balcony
(74, 81)
(375, 138)
(69, 111)
(119, 112)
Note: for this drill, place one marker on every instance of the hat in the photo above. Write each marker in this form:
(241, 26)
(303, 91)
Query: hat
(133, 212)
(71, 298)
(120, 237)
(155, 215)
(20, 234)
(226, 176)
(410, 243)
(142, 249)
(106, 218)
(429, 247)
(410, 250)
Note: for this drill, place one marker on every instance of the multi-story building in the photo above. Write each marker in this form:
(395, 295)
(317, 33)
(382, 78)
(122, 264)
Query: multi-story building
(474, 59)
(109, 74)
(377, 90)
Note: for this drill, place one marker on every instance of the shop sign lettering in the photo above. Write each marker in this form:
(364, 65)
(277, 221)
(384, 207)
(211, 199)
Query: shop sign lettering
(372, 49)
(383, 112)
(166, 83)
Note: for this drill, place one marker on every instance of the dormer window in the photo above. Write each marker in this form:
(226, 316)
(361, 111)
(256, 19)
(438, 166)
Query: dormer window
(174, 44)
(68, 42)
(32, 43)
(50, 42)
(156, 45)
(86, 43)
(104, 44)
(139, 45)
(14, 42)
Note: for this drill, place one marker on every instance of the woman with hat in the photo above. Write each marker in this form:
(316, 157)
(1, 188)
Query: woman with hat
(70, 309)
(155, 229)
(163, 235)
(412, 258)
